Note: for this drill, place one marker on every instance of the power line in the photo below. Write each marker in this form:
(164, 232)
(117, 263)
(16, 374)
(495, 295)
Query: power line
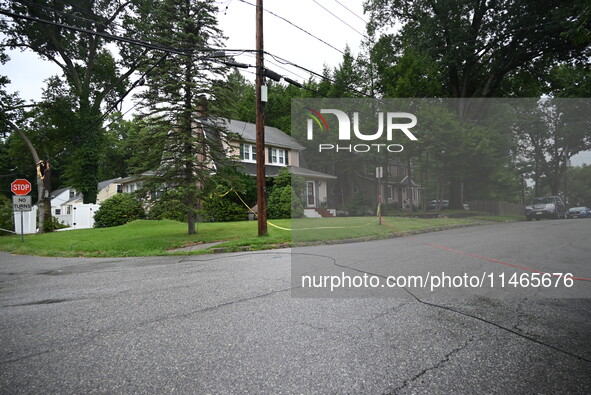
(280, 66)
(145, 44)
(347, 8)
(296, 26)
(331, 13)
(285, 61)
(186, 52)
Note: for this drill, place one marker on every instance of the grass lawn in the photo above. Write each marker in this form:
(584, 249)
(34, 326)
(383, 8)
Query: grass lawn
(148, 238)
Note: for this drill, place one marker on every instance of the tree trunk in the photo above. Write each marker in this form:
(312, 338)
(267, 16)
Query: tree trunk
(43, 184)
(455, 192)
(43, 196)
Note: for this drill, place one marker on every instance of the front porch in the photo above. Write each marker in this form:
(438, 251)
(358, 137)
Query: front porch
(315, 194)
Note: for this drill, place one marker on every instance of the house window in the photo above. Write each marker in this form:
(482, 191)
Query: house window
(278, 156)
(72, 193)
(58, 211)
(155, 194)
(248, 152)
(119, 188)
(390, 193)
(68, 210)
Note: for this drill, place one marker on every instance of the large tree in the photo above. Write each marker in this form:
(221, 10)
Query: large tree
(551, 133)
(90, 72)
(179, 97)
(478, 43)
(12, 116)
(477, 48)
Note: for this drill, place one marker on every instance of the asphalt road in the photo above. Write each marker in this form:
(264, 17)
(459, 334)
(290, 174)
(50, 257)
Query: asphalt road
(242, 323)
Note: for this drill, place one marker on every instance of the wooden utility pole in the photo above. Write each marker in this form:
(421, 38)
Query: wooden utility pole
(260, 124)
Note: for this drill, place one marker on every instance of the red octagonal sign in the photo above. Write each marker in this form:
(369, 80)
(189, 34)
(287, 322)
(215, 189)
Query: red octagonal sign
(20, 187)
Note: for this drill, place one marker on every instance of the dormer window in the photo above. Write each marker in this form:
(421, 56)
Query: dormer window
(278, 156)
(248, 152)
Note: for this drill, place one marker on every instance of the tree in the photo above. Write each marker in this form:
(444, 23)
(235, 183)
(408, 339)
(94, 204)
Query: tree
(145, 143)
(579, 186)
(11, 112)
(568, 80)
(551, 132)
(180, 97)
(478, 43)
(236, 97)
(90, 72)
(479, 49)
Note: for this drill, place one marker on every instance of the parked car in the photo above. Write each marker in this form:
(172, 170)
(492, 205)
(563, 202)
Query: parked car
(444, 204)
(545, 207)
(579, 212)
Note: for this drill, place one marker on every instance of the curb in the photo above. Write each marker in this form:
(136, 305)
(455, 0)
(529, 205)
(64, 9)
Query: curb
(221, 250)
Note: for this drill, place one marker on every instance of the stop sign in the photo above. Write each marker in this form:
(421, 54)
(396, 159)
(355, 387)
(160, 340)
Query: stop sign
(20, 187)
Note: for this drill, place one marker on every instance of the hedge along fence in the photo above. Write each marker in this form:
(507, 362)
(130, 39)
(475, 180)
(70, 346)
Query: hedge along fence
(497, 207)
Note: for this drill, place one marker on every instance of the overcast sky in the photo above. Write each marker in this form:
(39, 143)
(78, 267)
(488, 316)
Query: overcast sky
(27, 72)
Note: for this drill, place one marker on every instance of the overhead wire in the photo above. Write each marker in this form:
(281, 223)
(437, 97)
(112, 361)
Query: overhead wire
(145, 44)
(188, 51)
(294, 25)
(337, 17)
(347, 8)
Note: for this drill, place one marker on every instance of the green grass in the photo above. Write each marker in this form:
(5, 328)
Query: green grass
(149, 238)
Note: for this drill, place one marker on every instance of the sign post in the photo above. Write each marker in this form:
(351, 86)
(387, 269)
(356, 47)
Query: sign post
(379, 176)
(21, 202)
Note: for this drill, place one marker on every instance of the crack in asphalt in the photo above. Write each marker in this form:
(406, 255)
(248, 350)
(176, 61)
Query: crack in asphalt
(438, 365)
(467, 315)
(91, 339)
(40, 302)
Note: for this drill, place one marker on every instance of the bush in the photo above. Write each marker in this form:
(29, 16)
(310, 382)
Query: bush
(53, 224)
(118, 210)
(6, 215)
(170, 205)
(283, 203)
(219, 208)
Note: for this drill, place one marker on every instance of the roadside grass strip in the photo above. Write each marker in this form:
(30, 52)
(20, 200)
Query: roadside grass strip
(153, 238)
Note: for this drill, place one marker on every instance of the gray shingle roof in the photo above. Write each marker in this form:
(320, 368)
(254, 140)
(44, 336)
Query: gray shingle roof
(301, 171)
(104, 184)
(273, 171)
(58, 191)
(273, 136)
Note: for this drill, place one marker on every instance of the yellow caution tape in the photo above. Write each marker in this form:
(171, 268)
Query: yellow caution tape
(291, 229)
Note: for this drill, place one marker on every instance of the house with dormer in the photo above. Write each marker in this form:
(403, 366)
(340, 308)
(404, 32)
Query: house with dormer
(281, 150)
(239, 145)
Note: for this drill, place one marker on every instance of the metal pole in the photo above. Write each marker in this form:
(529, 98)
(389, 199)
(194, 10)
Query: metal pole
(22, 229)
(260, 125)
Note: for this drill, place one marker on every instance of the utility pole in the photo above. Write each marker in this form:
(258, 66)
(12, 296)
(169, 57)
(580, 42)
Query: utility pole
(260, 124)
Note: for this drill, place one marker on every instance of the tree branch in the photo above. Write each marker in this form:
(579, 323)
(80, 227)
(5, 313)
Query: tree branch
(26, 140)
(100, 97)
(71, 68)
